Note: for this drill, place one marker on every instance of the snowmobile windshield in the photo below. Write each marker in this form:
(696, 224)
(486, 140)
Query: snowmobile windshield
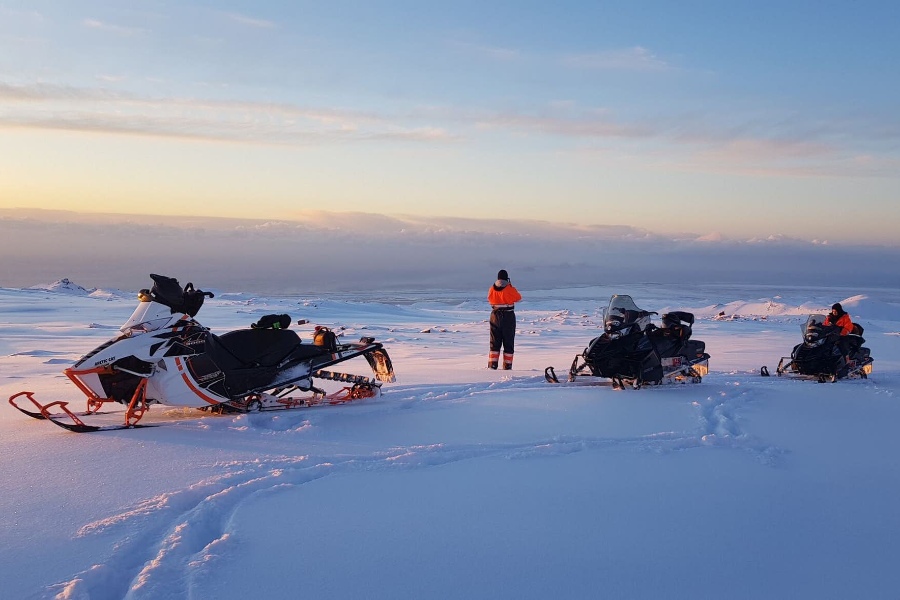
(813, 329)
(148, 316)
(813, 322)
(621, 314)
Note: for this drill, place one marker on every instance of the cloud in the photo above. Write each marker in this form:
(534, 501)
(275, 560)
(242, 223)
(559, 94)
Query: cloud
(93, 110)
(30, 15)
(782, 158)
(636, 58)
(578, 126)
(110, 28)
(494, 53)
(692, 143)
(325, 252)
(250, 21)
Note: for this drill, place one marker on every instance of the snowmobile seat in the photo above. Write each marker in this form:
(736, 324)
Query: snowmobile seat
(252, 347)
(678, 324)
(694, 349)
(682, 331)
(666, 341)
(677, 317)
(861, 354)
(854, 342)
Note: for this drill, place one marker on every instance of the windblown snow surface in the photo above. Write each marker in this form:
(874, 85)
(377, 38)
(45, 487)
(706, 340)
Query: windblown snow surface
(460, 482)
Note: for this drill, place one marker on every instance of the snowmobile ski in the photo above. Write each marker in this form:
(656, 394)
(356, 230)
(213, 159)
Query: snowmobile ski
(38, 414)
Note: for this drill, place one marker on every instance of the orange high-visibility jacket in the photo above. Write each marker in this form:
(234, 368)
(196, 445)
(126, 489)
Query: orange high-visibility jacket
(843, 322)
(506, 296)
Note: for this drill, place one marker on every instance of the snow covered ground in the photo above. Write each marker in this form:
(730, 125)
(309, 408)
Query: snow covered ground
(460, 482)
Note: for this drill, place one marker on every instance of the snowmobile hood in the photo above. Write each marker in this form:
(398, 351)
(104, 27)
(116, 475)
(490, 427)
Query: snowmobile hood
(148, 316)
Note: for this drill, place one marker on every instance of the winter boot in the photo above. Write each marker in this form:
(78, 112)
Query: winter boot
(507, 360)
(493, 359)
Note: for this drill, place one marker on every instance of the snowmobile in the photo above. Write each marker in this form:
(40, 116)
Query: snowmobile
(633, 351)
(163, 355)
(819, 355)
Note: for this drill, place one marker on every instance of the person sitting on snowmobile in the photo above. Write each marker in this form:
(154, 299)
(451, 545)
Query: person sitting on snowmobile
(502, 297)
(840, 319)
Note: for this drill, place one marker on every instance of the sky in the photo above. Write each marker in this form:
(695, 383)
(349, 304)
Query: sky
(737, 119)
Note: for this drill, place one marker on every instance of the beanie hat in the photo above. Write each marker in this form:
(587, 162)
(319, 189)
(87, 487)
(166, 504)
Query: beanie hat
(502, 274)
(837, 306)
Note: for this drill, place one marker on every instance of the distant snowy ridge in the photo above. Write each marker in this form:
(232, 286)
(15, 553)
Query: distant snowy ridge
(67, 286)
(357, 225)
(64, 285)
(859, 307)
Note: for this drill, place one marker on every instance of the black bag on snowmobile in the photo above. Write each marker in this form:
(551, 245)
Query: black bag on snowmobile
(325, 338)
(167, 291)
(272, 322)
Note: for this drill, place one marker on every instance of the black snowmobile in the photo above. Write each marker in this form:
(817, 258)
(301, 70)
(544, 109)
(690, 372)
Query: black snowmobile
(634, 351)
(819, 356)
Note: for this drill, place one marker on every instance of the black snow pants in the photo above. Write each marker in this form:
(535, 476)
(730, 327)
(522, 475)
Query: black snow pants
(503, 335)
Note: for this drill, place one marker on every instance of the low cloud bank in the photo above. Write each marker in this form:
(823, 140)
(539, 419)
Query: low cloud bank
(329, 252)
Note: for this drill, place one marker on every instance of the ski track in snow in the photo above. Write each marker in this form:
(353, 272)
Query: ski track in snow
(169, 542)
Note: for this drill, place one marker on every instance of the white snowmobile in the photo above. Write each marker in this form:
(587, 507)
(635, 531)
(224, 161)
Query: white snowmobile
(633, 351)
(163, 355)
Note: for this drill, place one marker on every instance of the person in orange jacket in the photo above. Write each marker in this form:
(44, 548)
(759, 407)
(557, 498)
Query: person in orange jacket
(838, 318)
(502, 297)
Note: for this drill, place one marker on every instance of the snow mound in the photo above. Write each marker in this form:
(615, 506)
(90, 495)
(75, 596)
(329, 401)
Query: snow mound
(67, 286)
(863, 307)
(64, 286)
(859, 307)
(112, 294)
(742, 309)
